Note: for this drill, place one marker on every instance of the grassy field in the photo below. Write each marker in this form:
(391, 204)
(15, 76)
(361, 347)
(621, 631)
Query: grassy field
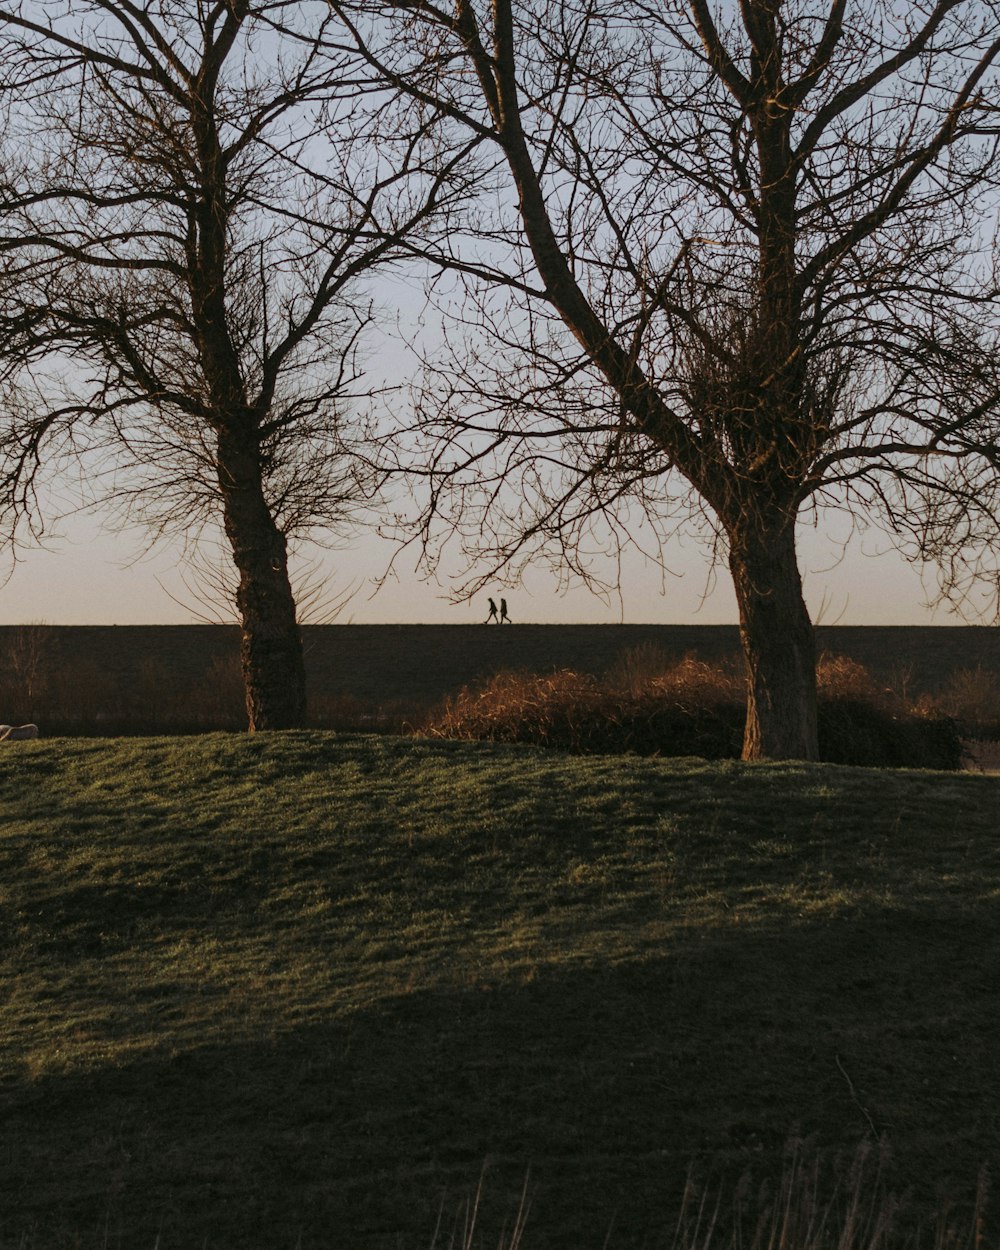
(304, 990)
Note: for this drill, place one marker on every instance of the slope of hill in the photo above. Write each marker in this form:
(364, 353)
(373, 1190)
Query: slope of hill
(306, 989)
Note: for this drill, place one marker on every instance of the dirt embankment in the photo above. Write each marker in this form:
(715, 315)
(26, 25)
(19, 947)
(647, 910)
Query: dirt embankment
(418, 665)
(426, 662)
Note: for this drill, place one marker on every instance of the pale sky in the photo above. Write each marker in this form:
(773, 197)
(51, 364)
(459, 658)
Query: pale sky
(88, 577)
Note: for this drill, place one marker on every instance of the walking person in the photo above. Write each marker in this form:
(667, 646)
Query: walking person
(493, 613)
(503, 612)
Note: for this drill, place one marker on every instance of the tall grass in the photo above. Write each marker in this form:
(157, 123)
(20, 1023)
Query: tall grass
(817, 1201)
(822, 1202)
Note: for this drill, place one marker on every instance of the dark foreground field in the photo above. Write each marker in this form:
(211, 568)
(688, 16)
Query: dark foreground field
(304, 990)
(142, 679)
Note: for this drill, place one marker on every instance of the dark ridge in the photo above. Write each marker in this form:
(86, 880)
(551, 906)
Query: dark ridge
(423, 663)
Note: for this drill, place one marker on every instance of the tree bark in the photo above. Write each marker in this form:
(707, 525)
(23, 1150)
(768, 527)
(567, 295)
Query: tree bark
(270, 642)
(779, 647)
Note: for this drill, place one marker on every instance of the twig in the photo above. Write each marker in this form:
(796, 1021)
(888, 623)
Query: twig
(854, 1097)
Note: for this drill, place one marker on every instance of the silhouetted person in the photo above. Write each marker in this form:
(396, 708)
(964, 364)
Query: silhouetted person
(493, 613)
(503, 612)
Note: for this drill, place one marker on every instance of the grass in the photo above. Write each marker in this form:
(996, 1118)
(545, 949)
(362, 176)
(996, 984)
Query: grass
(307, 990)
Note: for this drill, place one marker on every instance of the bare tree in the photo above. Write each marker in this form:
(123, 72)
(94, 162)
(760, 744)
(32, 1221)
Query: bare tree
(28, 652)
(191, 204)
(737, 268)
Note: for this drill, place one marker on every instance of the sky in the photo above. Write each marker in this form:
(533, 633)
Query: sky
(87, 575)
(92, 577)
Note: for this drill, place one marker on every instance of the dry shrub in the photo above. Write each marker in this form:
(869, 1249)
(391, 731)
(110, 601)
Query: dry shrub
(971, 696)
(984, 755)
(648, 706)
(577, 712)
(840, 677)
(637, 667)
(853, 731)
(648, 668)
(694, 683)
(517, 707)
(863, 722)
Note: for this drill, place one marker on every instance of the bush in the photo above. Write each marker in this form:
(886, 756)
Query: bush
(577, 712)
(852, 731)
(861, 722)
(971, 696)
(691, 708)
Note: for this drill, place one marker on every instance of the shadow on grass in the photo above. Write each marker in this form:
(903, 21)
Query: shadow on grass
(605, 1083)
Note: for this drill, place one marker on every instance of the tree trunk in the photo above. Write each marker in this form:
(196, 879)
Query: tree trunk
(270, 643)
(779, 646)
